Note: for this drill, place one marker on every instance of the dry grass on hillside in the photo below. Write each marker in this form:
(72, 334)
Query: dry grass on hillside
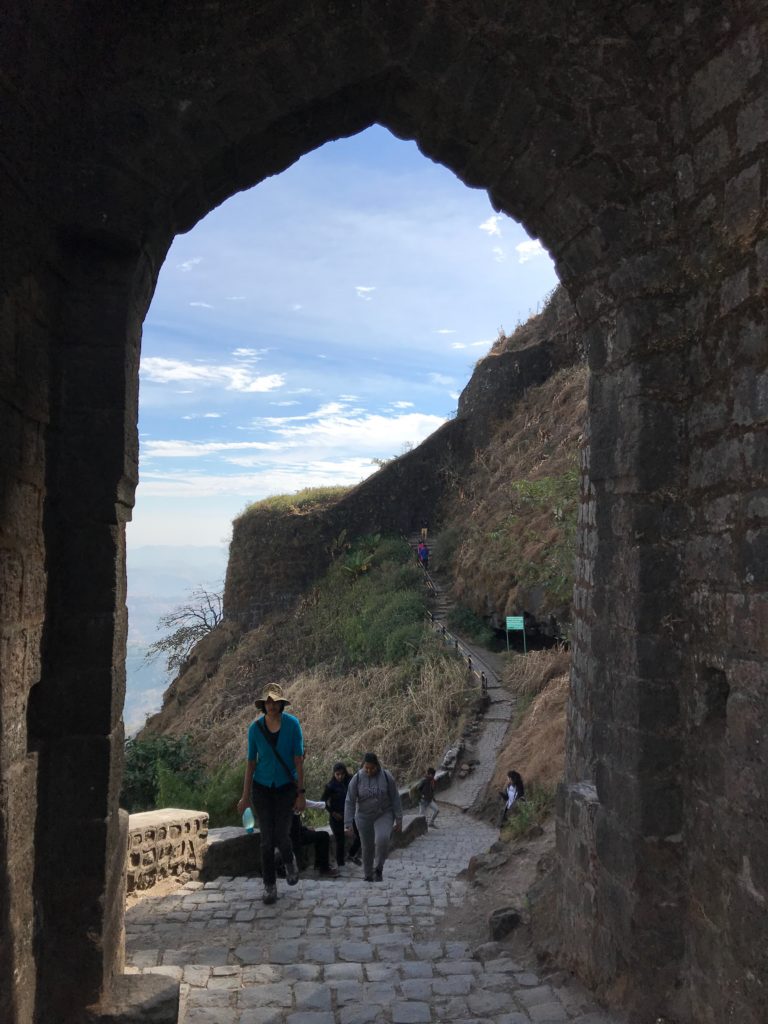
(518, 508)
(409, 725)
(536, 747)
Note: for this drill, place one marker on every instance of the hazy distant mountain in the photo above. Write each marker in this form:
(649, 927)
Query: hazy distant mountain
(160, 578)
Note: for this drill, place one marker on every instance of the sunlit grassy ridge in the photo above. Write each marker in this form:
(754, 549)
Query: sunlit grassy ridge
(359, 667)
(300, 502)
(510, 539)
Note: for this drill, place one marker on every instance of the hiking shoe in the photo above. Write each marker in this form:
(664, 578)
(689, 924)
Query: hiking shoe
(328, 872)
(270, 894)
(292, 872)
(357, 860)
(367, 878)
(378, 875)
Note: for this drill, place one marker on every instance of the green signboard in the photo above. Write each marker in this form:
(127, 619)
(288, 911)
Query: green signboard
(516, 622)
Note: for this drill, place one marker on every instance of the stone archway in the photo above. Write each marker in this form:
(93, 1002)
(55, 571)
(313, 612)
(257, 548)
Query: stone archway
(631, 139)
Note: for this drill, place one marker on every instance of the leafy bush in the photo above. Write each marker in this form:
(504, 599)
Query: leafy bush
(369, 609)
(165, 771)
(464, 621)
(145, 759)
(216, 795)
(534, 810)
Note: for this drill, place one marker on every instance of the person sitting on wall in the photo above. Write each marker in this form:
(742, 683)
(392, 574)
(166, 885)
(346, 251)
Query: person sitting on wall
(302, 835)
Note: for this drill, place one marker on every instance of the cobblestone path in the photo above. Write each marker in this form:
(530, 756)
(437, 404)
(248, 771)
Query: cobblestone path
(341, 951)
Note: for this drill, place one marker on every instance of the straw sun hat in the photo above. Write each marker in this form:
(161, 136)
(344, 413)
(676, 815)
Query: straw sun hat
(275, 691)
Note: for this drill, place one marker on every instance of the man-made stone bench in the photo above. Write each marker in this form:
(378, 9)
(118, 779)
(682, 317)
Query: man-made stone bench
(169, 841)
(172, 841)
(233, 852)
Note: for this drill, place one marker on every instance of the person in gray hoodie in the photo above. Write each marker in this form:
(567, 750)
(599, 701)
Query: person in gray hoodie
(373, 803)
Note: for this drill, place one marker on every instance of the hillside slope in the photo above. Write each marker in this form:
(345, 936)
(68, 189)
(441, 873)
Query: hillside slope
(499, 483)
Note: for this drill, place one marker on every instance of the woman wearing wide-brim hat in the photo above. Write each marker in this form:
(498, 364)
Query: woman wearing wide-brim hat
(274, 783)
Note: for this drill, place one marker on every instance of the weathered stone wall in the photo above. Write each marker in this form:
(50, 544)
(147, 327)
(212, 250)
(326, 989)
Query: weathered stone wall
(631, 138)
(168, 841)
(273, 558)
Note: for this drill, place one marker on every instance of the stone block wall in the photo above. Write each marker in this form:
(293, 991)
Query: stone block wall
(632, 139)
(164, 842)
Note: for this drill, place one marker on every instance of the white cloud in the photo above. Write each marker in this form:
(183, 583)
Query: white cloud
(455, 395)
(349, 398)
(401, 405)
(235, 298)
(211, 415)
(202, 305)
(296, 307)
(498, 254)
(481, 344)
(285, 403)
(445, 330)
(442, 380)
(233, 378)
(199, 449)
(364, 291)
(335, 447)
(329, 409)
(491, 226)
(187, 265)
(250, 354)
(529, 250)
(458, 344)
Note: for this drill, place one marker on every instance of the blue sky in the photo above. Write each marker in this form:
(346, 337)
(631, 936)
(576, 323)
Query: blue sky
(328, 316)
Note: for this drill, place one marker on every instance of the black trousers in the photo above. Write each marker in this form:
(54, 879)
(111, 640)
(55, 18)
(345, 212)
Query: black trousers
(274, 809)
(337, 827)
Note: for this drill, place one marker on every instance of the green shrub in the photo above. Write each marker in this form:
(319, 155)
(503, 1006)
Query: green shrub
(217, 795)
(368, 609)
(464, 621)
(534, 810)
(144, 760)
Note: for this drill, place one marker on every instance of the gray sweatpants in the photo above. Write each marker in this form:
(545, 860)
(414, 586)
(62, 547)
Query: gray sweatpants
(374, 836)
(429, 807)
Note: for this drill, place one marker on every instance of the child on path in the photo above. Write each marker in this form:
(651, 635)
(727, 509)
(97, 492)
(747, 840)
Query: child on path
(427, 803)
(422, 553)
(334, 797)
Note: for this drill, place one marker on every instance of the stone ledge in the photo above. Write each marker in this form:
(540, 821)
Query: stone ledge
(138, 999)
(168, 841)
(233, 852)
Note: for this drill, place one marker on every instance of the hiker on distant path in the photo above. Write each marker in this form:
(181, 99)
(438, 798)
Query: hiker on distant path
(427, 803)
(334, 797)
(422, 553)
(274, 783)
(513, 792)
(424, 530)
(373, 803)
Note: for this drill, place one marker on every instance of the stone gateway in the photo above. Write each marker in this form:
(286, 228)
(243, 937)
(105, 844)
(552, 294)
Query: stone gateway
(630, 137)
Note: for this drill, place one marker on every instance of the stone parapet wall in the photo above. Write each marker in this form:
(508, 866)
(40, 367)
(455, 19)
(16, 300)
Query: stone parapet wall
(165, 842)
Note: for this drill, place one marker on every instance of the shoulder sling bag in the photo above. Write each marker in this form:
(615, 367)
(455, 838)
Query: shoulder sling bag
(273, 747)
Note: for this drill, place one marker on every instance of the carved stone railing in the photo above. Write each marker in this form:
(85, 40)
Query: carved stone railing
(168, 841)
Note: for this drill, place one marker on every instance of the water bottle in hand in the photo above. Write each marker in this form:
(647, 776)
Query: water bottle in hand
(249, 822)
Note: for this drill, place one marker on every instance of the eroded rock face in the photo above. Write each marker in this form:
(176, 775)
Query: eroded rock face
(631, 138)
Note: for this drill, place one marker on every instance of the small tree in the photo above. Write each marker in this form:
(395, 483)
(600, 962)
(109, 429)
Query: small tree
(190, 622)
